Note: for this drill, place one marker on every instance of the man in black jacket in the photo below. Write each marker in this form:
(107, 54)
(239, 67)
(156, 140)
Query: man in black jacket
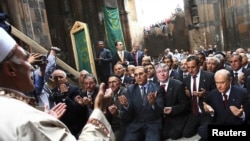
(103, 62)
(121, 56)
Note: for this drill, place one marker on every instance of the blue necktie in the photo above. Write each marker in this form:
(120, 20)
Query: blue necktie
(144, 95)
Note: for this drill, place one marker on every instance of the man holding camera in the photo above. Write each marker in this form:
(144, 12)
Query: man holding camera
(46, 65)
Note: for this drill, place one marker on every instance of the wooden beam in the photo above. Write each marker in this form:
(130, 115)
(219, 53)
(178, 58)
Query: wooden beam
(41, 49)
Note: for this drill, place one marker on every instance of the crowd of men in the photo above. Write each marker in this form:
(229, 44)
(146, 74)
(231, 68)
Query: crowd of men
(185, 92)
(177, 96)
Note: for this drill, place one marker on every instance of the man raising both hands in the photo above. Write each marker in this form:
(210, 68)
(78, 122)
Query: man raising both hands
(228, 103)
(143, 107)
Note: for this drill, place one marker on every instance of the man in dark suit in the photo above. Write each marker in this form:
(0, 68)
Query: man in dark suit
(227, 103)
(103, 62)
(76, 115)
(245, 62)
(151, 73)
(176, 104)
(198, 84)
(91, 87)
(137, 55)
(224, 61)
(168, 60)
(120, 71)
(240, 73)
(123, 57)
(183, 69)
(114, 112)
(213, 64)
(176, 64)
(143, 107)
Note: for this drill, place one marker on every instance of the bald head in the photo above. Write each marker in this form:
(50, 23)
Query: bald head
(223, 73)
(222, 80)
(240, 50)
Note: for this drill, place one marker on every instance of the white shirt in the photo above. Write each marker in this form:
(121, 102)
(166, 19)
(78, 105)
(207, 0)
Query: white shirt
(197, 87)
(238, 71)
(166, 85)
(197, 82)
(227, 93)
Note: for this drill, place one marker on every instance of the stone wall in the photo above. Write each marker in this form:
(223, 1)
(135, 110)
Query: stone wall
(224, 23)
(30, 17)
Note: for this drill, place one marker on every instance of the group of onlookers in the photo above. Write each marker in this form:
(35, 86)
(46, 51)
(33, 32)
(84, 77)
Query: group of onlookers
(184, 93)
(174, 98)
(192, 96)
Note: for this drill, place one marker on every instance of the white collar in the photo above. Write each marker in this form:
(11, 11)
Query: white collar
(238, 71)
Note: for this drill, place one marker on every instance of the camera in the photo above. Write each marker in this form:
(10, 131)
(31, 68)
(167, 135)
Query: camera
(42, 59)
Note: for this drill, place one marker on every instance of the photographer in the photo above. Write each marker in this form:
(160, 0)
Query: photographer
(43, 97)
(46, 65)
(37, 60)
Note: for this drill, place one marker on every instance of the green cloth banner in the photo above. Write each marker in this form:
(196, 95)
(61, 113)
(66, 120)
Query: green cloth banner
(113, 28)
(82, 51)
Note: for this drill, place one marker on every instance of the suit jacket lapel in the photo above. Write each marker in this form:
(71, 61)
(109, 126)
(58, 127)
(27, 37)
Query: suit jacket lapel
(169, 88)
(202, 80)
(219, 100)
(189, 83)
(232, 99)
(125, 55)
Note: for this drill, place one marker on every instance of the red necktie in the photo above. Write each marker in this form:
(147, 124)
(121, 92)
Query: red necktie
(195, 101)
(164, 92)
(225, 99)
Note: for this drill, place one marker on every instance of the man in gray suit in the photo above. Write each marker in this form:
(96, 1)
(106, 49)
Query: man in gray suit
(114, 110)
(143, 108)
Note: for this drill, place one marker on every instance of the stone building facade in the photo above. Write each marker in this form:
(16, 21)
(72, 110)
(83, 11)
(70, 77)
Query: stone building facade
(30, 17)
(224, 23)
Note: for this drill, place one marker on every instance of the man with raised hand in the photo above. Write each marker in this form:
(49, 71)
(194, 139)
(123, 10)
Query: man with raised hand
(20, 120)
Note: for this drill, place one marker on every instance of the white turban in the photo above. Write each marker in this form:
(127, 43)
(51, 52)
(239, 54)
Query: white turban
(7, 43)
